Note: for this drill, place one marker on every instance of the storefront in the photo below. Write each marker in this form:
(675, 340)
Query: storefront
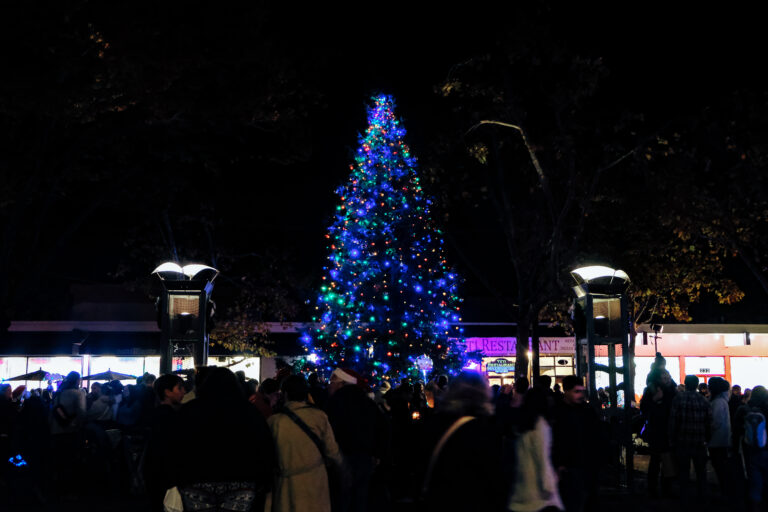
(497, 357)
(130, 348)
(736, 352)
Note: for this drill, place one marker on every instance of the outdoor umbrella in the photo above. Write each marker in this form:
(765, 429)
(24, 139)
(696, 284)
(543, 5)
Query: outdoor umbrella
(109, 375)
(38, 375)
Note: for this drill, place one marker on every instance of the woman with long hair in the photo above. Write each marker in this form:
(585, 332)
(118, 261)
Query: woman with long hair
(535, 485)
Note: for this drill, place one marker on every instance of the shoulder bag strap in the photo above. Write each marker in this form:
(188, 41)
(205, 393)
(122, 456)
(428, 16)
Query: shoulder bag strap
(436, 452)
(303, 426)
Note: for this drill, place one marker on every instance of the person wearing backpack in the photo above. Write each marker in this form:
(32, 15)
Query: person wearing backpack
(754, 443)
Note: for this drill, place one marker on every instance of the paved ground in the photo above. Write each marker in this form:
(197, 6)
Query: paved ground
(614, 496)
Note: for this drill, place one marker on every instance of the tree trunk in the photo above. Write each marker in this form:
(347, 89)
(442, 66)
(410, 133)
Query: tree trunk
(521, 346)
(535, 368)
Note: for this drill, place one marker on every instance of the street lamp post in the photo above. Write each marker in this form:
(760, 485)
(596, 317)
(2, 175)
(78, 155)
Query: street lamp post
(183, 309)
(601, 297)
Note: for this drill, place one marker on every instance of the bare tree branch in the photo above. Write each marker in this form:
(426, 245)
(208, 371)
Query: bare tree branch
(532, 154)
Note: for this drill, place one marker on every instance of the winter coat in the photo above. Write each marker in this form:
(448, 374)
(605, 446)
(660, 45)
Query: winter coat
(577, 437)
(721, 422)
(656, 414)
(356, 422)
(223, 439)
(535, 485)
(100, 410)
(468, 473)
(73, 403)
(302, 482)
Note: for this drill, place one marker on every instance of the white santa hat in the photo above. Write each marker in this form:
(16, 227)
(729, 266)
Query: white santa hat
(345, 375)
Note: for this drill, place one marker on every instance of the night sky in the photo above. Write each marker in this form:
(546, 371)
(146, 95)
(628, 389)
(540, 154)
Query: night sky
(661, 57)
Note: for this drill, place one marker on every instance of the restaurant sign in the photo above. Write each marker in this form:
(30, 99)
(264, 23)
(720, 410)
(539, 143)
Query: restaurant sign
(506, 346)
(500, 365)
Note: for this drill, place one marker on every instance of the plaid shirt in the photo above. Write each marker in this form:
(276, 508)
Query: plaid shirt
(690, 420)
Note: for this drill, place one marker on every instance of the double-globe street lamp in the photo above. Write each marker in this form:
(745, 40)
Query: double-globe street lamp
(183, 310)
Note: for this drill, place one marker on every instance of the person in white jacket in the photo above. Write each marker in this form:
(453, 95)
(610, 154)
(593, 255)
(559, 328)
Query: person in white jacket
(535, 484)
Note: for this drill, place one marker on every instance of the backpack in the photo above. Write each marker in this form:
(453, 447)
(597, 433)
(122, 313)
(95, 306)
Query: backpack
(754, 429)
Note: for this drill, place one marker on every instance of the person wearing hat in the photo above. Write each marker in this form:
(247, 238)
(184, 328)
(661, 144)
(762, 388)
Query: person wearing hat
(342, 377)
(360, 432)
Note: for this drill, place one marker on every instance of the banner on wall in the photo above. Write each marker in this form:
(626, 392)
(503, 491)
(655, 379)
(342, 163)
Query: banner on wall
(506, 346)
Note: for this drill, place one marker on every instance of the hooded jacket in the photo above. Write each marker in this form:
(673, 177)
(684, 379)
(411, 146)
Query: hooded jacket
(721, 422)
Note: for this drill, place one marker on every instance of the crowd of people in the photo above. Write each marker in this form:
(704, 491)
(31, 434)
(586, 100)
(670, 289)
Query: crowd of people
(218, 439)
(695, 422)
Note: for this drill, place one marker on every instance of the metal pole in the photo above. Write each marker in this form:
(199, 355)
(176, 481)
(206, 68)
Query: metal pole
(535, 350)
(166, 360)
(590, 317)
(629, 393)
(614, 393)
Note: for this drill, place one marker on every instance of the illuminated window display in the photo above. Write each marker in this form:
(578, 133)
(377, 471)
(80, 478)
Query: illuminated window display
(749, 372)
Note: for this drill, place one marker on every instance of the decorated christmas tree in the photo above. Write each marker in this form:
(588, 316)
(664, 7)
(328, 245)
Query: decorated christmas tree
(388, 297)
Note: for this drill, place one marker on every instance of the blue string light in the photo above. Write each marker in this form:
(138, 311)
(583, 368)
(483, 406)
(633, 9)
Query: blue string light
(377, 312)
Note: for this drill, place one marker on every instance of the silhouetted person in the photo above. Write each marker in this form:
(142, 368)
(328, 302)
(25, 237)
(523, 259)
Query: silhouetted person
(656, 405)
(576, 450)
(67, 419)
(719, 445)
(32, 441)
(164, 438)
(8, 416)
(230, 447)
(755, 457)
(456, 479)
(317, 391)
(690, 425)
(266, 398)
(359, 433)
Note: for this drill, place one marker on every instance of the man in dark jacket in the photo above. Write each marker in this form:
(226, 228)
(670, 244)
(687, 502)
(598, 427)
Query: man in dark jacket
(455, 477)
(734, 402)
(359, 432)
(656, 405)
(163, 438)
(227, 445)
(576, 449)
